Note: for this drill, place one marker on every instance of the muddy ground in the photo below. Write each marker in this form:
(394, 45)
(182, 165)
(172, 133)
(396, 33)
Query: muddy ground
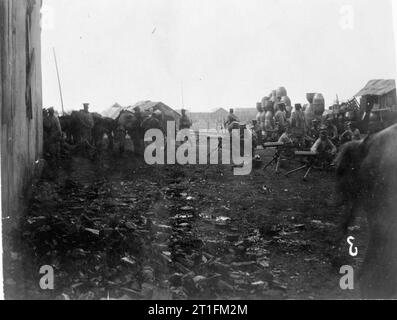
(116, 228)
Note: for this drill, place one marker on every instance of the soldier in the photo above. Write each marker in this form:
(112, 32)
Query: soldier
(269, 120)
(185, 122)
(152, 122)
(259, 114)
(340, 122)
(280, 117)
(258, 125)
(298, 124)
(231, 117)
(140, 133)
(286, 137)
(232, 122)
(351, 133)
(356, 131)
(88, 124)
(138, 114)
(314, 132)
(347, 135)
(324, 147)
(332, 131)
(54, 134)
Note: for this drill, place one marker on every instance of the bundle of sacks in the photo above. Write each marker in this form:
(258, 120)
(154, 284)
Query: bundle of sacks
(275, 111)
(274, 108)
(315, 108)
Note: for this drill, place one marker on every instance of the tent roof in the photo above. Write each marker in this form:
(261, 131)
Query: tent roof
(114, 110)
(377, 87)
(143, 105)
(147, 105)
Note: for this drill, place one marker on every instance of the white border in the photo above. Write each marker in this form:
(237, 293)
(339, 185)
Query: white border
(394, 14)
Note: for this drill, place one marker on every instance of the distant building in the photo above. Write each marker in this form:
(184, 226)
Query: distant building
(208, 120)
(20, 101)
(216, 119)
(246, 114)
(378, 101)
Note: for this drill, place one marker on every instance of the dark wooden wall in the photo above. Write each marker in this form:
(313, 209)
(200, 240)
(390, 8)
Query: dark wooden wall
(20, 99)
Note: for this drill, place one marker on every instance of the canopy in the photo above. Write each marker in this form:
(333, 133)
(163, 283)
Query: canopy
(378, 87)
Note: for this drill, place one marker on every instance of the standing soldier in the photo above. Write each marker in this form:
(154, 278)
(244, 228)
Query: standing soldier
(138, 114)
(185, 122)
(259, 108)
(231, 118)
(55, 134)
(280, 117)
(152, 122)
(298, 123)
(139, 137)
(258, 125)
(88, 124)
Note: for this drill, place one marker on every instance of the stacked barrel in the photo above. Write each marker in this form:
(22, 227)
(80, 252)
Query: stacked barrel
(315, 108)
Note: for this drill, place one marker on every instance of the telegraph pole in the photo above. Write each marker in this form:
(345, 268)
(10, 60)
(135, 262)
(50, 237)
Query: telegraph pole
(183, 101)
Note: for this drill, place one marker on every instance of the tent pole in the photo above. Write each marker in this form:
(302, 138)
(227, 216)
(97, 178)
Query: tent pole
(59, 81)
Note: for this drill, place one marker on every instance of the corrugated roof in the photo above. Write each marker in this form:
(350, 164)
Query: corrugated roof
(377, 87)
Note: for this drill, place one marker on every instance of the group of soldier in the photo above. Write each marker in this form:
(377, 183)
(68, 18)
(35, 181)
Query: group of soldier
(84, 128)
(289, 126)
(57, 131)
(274, 123)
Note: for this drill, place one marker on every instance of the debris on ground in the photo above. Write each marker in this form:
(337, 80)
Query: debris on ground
(119, 233)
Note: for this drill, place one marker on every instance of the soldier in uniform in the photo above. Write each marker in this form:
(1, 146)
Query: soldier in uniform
(88, 124)
(280, 117)
(140, 133)
(185, 122)
(324, 147)
(54, 135)
(231, 117)
(332, 131)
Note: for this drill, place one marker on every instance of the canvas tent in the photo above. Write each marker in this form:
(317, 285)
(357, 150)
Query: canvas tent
(113, 112)
(146, 107)
(149, 106)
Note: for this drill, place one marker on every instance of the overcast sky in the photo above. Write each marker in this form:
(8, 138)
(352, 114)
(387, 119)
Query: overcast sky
(224, 53)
